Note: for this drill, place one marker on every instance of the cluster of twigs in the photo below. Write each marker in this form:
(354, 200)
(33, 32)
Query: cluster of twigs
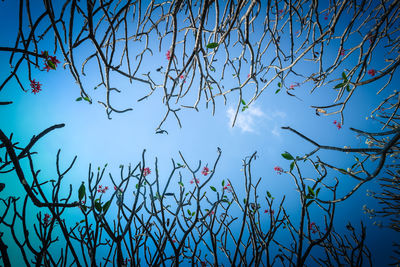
(158, 227)
(261, 45)
(258, 46)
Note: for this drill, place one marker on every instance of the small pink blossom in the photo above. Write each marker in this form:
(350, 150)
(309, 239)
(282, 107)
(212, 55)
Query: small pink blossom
(312, 227)
(102, 189)
(342, 51)
(168, 55)
(193, 180)
(338, 124)
(265, 211)
(372, 72)
(278, 169)
(211, 213)
(146, 171)
(205, 171)
(228, 188)
(36, 86)
(46, 219)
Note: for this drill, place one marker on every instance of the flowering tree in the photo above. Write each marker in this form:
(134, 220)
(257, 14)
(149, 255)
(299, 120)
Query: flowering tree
(212, 50)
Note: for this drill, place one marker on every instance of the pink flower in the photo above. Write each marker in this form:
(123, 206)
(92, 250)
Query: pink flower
(205, 171)
(271, 211)
(46, 67)
(265, 211)
(46, 219)
(36, 86)
(146, 171)
(181, 77)
(174, 240)
(342, 51)
(280, 11)
(312, 227)
(372, 72)
(228, 188)
(278, 169)
(211, 213)
(338, 124)
(195, 179)
(102, 189)
(168, 55)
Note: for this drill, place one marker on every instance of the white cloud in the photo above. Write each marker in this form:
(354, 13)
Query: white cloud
(245, 120)
(252, 118)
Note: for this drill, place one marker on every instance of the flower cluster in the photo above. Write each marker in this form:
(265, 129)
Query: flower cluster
(46, 219)
(338, 124)
(372, 72)
(168, 55)
(146, 171)
(270, 211)
(278, 169)
(36, 86)
(228, 188)
(312, 227)
(102, 189)
(193, 180)
(205, 171)
(50, 61)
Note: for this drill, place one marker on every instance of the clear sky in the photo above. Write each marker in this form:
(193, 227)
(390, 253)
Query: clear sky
(97, 140)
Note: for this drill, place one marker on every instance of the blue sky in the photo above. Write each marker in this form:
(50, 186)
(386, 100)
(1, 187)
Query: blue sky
(97, 140)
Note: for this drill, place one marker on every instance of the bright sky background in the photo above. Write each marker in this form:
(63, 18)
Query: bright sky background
(97, 140)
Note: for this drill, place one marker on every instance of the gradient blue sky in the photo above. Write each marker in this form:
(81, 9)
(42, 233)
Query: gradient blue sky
(97, 140)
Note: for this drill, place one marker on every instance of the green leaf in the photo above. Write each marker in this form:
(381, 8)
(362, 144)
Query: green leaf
(207, 210)
(317, 192)
(291, 166)
(81, 191)
(316, 166)
(279, 84)
(78, 99)
(86, 99)
(137, 186)
(277, 91)
(269, 194)
(343, 171)
(340, 85)
(244, 200)
(97, 205)
(212, 68)
(106, 206)
(181, 184)
(344, 76)
(51, 64)
(244, 103)
(188, 211)
(84, 208)
(287, 156)
(311, 191)
(223, 182)
(212, 45)
(348, 88)
(213, 188)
